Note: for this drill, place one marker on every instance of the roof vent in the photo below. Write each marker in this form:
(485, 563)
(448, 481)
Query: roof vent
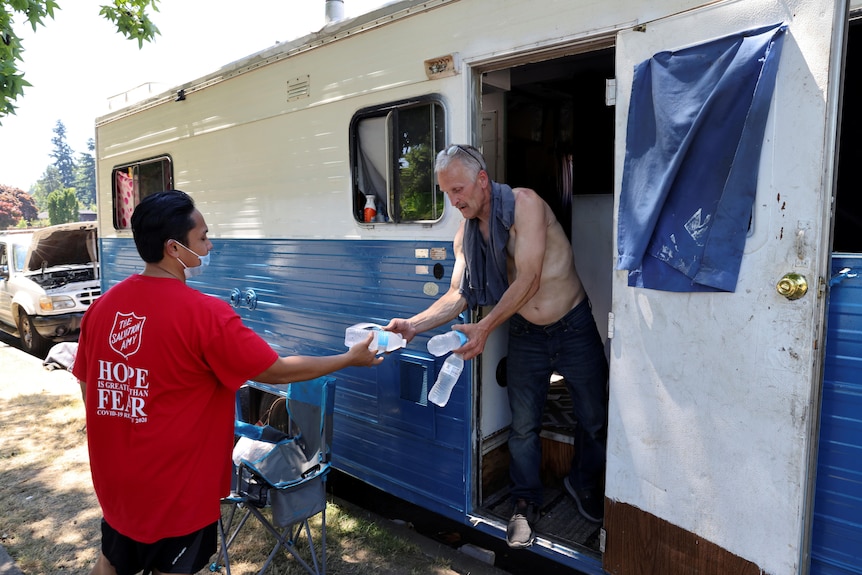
(334, 11)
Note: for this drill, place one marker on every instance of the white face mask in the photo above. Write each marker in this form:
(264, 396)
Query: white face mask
(197, 270)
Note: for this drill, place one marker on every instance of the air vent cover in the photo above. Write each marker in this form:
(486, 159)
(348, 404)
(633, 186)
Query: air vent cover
(298, 88)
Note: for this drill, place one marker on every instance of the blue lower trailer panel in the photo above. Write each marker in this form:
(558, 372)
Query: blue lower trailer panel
(836, 546)
(300, 295)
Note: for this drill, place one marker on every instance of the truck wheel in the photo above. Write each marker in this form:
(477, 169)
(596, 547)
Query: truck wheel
(31, 341)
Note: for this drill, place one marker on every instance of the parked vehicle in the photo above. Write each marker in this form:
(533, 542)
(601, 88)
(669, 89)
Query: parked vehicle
(312, 163)
(48, 279)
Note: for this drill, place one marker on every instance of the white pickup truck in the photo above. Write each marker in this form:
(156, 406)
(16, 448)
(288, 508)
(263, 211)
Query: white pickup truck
(48, 279)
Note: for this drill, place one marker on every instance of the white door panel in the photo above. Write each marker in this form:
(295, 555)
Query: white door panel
(711, 393)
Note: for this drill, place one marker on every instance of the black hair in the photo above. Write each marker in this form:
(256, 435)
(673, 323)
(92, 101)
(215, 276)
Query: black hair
(161, 217)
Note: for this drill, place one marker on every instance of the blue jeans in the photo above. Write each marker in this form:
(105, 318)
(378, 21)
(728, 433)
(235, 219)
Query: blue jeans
(572, 348)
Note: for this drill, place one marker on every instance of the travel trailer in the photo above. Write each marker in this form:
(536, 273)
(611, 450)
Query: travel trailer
(734, 440)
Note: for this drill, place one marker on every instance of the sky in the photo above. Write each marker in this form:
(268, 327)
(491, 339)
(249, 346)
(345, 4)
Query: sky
(78, 60)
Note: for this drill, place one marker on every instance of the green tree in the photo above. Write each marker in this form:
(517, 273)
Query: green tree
(62, 206)
(85, 176)
(129, 16)
(49, 182)
(62, 154)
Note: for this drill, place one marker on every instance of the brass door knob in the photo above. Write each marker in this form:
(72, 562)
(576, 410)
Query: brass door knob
(792, 286)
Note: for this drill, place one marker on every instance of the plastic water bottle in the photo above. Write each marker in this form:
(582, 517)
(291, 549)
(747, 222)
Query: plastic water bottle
(449, 373)
(446, 342)
(383, 341)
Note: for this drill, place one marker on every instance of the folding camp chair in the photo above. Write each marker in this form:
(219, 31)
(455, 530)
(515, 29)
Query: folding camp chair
(281, 463)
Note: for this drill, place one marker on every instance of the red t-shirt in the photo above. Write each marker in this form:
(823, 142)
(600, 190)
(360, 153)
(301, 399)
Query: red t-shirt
(162, 363)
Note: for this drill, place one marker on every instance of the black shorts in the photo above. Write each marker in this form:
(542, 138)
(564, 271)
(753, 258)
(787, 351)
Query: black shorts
(185, 554)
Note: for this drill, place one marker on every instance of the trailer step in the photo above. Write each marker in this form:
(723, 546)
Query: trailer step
(560, 520)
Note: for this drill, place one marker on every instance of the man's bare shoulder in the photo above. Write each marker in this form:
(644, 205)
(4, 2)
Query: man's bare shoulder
(531, 207)
(527, 198)
(526, 192)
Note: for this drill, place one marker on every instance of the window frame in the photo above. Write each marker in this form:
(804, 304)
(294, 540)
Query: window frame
(168, 184)
(388, 114)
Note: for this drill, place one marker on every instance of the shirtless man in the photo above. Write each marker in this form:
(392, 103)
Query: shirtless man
(533, 284)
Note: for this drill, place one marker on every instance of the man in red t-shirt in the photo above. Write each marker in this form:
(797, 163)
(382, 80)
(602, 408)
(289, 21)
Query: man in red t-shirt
(159, 365)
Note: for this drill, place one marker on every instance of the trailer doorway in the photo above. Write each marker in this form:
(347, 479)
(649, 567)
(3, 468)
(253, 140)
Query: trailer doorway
(549, 126)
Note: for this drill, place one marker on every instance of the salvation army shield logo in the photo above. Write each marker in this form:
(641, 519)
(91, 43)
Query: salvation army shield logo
(125, 336)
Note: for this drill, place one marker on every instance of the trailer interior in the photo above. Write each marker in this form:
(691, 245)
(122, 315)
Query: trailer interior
(549, 126)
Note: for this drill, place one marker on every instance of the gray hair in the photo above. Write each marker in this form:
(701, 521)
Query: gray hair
(468, 156)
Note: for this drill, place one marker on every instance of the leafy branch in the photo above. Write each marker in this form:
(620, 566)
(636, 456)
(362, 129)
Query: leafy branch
(129, 16)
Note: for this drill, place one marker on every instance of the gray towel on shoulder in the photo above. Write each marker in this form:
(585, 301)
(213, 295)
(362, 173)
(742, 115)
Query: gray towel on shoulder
(485, 278)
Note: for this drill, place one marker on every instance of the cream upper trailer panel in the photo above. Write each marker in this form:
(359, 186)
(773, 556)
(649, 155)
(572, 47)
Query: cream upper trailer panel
(266, 137)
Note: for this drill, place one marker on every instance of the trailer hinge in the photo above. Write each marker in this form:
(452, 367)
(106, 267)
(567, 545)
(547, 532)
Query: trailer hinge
(603, 536)
(610, 325)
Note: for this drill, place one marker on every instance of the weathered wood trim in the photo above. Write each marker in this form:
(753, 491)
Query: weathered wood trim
(639, 543)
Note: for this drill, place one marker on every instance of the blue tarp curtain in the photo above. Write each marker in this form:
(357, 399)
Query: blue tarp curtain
(695, 131)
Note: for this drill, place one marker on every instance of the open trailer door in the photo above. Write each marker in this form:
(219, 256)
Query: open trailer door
(724, 160)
